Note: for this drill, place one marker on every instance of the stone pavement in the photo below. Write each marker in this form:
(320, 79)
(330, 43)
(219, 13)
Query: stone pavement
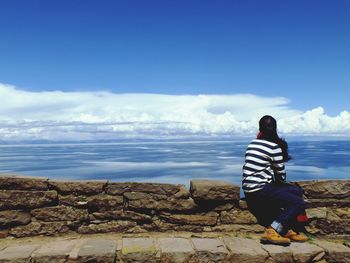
(176, 247)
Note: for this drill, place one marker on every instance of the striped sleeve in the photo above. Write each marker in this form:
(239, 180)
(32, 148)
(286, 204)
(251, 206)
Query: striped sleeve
(278, 166)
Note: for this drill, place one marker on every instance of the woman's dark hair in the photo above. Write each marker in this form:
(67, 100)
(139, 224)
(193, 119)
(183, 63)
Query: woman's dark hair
(268, 131)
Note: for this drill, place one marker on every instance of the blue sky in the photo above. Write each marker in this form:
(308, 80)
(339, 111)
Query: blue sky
(295, 50)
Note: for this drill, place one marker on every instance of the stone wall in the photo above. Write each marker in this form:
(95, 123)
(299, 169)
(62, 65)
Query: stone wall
(31, 206)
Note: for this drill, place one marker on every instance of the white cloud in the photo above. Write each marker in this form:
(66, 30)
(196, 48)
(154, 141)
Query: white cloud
(57, 115)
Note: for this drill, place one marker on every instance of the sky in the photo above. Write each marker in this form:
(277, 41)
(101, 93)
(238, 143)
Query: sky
(83, 69)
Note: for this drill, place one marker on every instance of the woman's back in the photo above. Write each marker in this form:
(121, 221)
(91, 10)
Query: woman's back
(263, 160)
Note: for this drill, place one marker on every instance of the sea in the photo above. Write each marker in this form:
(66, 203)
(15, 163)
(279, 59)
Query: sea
(175, 162)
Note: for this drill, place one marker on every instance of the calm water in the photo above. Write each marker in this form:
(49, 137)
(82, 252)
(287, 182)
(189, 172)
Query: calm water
(168, 162)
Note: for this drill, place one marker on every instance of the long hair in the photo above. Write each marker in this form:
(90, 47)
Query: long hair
(268, 132)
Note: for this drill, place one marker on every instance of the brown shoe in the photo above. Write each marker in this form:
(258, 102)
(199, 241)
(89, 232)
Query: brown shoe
(297, 237)
(272, 237)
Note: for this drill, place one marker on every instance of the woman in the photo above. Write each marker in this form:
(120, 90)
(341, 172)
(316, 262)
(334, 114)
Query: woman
(275, 203)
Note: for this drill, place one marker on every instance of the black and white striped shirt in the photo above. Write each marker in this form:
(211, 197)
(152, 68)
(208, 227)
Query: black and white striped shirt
(263, 163)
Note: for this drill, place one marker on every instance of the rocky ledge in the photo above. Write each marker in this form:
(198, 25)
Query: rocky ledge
(169, 249)
(32, 206)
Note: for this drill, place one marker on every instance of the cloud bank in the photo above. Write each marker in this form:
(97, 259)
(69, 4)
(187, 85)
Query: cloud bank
(58, 115)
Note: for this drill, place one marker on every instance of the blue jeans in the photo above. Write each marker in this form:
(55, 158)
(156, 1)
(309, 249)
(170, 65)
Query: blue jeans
(277, 202)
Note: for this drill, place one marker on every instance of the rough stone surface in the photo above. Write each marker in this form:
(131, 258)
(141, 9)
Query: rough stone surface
(139, 250)
(317, 213)
(243, 204)
(60, 213)
(209, 249)
(56, 251)
(335, 214)
(78, 187)
(4, 233)
(105, 202)
(166, 249)
(208, 219)
(39, 228)
(99, 206)
(111, 226)
(325, 226)
(245, 250)
(170, 204)
(120, 214)
(14, 199)
(326, 189)
(311, 203)
(214, 190)
(79, 201)
(335, 253)
(305, 252)
(175, 250)
(279, 253)
(240, 228)
(98, 250)
(17, 254)
(15, 182)
(156, 188)
(13, 218)
(237, 217)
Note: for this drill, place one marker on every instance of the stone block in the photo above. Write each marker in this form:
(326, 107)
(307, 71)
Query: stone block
(152, 202)
(139, 250)
(4, 233)
(209, 249)
(241, 228)
(14, 217)
(16, 182)
(117, 226)
(14, 199)
(317, 213)
(78, 187)
(325, 226)
(335, 252)
(54, 251)
(305, 252)
(39, 228)
(156, 188)
(279, 253)
(208, 219)
(237, 217)
(18, 254)
(122, 215)
(104, 202)
(79, 201)
(335, 214)
(330, 202)
(97, 250)
(324, 189)
(60, 213)
(245, 250)
(175, 249)
(214, 190)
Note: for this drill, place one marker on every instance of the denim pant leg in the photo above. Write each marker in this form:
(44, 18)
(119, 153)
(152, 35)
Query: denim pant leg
(287, 197)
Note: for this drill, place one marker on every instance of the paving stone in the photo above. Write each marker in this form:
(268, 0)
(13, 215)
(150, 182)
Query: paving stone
(56, 251)
(139, 250)
(97, 250)
(305, 252)
(279, 253)
(73, 255)
(245, 250)
(175, 249)
(18, 254)
(335, 252)
(209, 249)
